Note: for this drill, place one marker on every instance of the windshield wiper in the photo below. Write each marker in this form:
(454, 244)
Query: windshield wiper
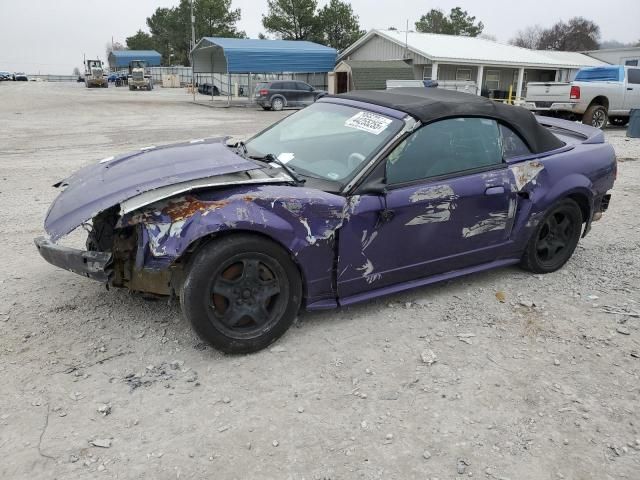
(271, 158)
(268, 158)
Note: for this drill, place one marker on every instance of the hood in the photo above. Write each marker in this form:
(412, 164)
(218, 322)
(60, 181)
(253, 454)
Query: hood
(113, 180)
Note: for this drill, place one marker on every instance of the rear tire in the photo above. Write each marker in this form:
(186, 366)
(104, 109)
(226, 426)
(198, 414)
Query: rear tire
(596, 116)
(277, 104)
(241, 293)
(554, 239)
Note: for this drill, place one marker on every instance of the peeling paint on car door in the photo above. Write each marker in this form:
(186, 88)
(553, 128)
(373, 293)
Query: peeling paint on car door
(425, 229)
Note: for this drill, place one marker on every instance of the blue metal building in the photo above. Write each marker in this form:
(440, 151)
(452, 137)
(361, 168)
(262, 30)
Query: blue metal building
(243, 55)
(121, 58)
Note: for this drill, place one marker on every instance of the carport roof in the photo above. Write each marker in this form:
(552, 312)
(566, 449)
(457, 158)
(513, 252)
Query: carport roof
(121, 58)
(245, 55)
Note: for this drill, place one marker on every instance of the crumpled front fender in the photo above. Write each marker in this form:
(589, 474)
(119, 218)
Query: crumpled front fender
(304, 221)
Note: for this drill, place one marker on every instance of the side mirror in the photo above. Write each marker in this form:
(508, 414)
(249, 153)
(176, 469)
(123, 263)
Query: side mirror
(377, 187)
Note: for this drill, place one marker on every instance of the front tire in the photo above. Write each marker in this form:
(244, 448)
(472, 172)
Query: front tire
(554, 239)
(619, 121)
(596, 116)
(241, 293)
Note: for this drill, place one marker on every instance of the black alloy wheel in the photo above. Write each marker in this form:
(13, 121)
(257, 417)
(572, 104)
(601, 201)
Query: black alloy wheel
(555, 238)
(248, 294)
(241, 292)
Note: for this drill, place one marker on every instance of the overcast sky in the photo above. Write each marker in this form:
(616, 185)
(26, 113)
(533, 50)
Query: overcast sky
(50, 36)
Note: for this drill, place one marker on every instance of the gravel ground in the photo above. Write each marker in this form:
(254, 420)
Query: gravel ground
(441, 382)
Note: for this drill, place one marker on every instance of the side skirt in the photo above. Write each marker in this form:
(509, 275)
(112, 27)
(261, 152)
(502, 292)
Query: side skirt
(400, 287)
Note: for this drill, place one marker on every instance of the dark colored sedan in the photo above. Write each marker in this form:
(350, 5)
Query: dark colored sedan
(354, 197)
(279, 94)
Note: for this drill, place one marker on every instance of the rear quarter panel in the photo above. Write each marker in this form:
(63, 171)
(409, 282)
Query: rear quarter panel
(612, 91)
(585, 169)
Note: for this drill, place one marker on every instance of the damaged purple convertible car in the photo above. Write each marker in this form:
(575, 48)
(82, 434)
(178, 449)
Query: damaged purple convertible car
(354, 197)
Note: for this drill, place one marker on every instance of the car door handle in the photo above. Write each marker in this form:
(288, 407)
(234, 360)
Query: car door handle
(494, 190)
(629, 88)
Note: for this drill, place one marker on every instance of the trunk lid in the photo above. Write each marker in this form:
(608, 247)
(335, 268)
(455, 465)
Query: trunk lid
(572, 133)
(113, 180)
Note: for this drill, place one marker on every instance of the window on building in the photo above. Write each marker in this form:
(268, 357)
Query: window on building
(631, 63)
(463, 74)
(446, 147)
(426, 73)
(492, 81)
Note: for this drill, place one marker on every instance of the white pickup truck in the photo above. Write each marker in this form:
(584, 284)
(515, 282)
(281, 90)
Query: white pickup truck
(597, 95)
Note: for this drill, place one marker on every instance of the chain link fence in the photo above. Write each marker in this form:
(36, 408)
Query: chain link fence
(242, 85)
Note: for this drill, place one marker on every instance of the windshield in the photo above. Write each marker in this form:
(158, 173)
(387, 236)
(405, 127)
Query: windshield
(326, 140)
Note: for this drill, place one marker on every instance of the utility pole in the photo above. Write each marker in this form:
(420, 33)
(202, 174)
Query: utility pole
(406, 41)
(193, 45)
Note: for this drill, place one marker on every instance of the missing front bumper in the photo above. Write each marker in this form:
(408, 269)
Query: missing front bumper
(94, 265)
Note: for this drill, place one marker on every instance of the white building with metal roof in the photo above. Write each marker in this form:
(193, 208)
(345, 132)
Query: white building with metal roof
(629, 56)
(492, 68)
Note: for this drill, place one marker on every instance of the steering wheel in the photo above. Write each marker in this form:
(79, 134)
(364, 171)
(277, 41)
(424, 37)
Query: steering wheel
(354, 160)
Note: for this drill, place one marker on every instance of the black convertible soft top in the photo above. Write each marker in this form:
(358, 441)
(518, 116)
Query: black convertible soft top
(430, 104)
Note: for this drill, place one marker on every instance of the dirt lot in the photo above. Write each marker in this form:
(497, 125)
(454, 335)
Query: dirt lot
(103, 384)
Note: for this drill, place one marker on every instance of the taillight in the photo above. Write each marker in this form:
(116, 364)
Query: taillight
(263, 92)
(575, 93)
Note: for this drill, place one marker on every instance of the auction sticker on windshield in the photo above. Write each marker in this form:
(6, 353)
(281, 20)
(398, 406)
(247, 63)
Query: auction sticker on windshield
(368, 122)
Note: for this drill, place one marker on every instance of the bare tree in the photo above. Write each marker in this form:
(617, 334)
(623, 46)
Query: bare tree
(528, 38)
(110, 47)
(576, 35)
